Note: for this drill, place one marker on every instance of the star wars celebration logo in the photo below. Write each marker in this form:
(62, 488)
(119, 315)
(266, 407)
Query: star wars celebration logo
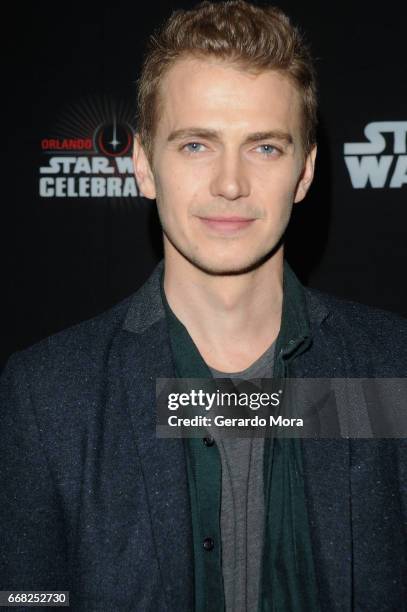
(91, 154)
(381, 161)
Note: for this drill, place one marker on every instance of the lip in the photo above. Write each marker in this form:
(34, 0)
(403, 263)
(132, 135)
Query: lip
(226, 225)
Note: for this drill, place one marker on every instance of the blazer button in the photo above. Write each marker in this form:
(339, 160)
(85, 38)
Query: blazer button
(208, 544)
(209, 441)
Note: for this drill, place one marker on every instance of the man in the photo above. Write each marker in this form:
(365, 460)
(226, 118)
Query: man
(92, 501)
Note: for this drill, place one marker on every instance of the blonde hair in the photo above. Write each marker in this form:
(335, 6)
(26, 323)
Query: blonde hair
(254, 38)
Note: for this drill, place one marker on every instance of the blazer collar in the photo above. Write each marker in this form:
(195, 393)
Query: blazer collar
(146, 306)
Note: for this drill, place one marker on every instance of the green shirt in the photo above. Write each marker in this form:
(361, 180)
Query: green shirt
(288, 578)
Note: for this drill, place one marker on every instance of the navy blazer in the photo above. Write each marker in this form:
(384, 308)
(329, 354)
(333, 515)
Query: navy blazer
(91, 501)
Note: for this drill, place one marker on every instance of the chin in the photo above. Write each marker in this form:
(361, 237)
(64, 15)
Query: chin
(224, 262)
(224, 267)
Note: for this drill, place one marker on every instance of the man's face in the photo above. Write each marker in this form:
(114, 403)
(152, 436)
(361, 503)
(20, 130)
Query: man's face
(227, 163)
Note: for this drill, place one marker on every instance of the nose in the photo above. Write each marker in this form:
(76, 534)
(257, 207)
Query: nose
(230, 179)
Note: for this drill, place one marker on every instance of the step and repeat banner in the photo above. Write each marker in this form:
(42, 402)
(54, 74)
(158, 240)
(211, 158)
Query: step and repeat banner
(77, 236)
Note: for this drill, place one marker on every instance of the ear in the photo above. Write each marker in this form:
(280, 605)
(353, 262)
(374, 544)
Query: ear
(307, 175)
(142, 170)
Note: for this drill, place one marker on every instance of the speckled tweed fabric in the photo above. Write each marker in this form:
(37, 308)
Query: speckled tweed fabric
(92, 502)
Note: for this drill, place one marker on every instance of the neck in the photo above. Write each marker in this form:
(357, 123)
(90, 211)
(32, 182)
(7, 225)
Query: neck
(231, 319)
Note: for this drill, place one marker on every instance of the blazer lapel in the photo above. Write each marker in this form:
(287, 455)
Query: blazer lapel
(146, 355)
(329, 490)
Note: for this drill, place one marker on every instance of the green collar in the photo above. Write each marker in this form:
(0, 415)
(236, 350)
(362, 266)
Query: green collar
(295, 332)
(187, 359)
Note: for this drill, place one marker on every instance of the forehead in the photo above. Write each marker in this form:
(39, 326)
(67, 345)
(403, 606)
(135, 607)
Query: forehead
(218, 94)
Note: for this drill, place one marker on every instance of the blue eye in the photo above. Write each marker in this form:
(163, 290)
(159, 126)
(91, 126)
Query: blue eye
(193, 147)
(268, 149)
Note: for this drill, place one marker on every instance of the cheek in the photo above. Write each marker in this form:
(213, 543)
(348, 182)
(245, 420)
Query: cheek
(178, 192)
(277, 195)
(171, 202)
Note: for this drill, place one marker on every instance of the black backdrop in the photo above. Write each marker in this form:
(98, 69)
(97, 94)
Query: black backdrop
(69, 71)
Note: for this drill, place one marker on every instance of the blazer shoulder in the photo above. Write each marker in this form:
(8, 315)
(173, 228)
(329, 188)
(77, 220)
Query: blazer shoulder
(356, 314)
(370, 333)
(79, 347)
(81, 357)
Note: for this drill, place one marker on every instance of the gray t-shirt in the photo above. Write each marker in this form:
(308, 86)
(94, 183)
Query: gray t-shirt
(242, 504)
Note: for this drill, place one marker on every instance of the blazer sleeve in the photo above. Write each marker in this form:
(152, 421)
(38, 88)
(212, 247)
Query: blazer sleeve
(33, 549)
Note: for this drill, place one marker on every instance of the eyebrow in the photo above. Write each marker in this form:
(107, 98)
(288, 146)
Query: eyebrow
(196, 132)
